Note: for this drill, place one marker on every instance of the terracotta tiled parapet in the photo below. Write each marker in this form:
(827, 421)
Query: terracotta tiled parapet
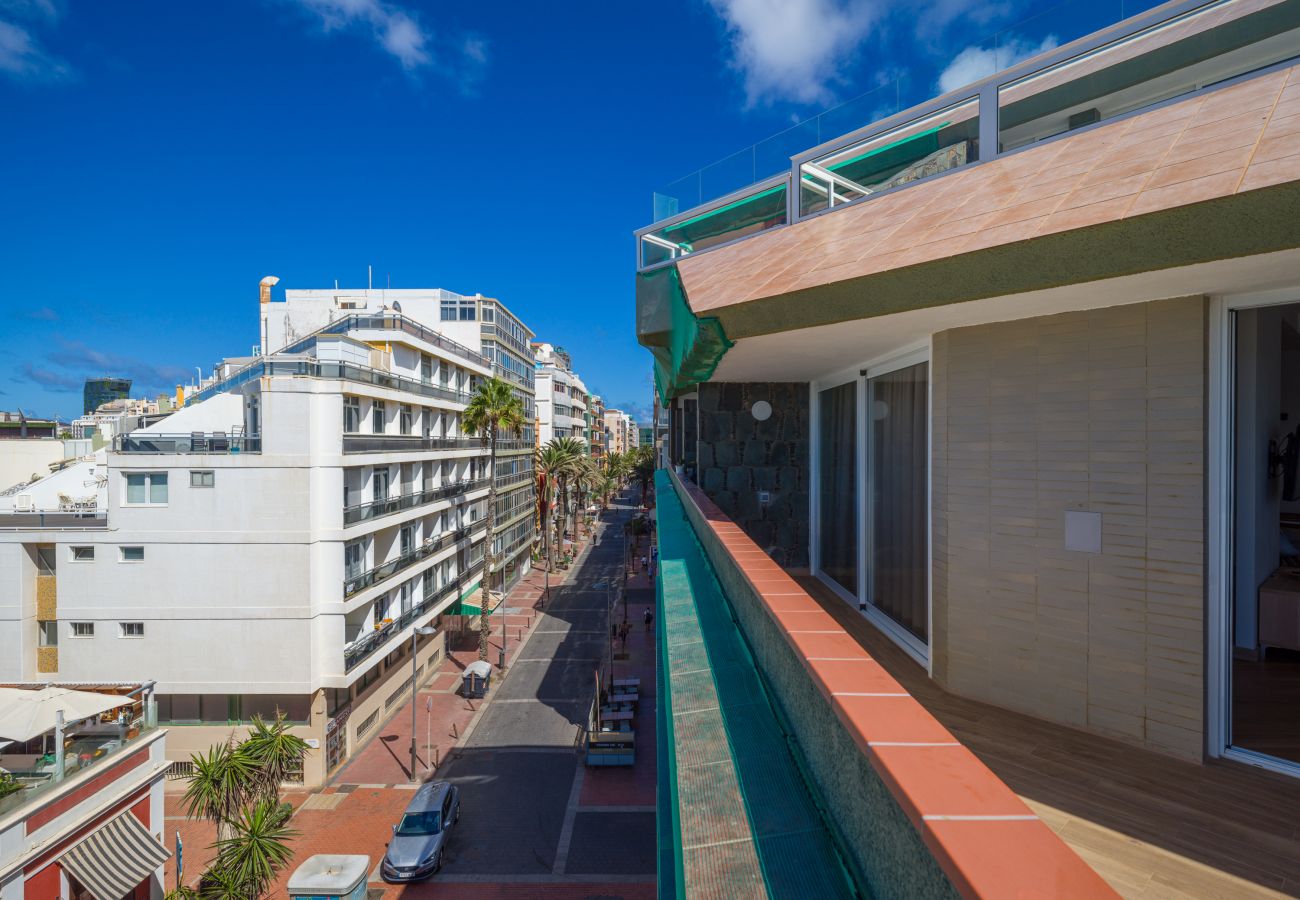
(983, 837)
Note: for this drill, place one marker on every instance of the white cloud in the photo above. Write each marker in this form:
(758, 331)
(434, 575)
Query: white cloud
(978, 62)
(23, 58)
(794, 49)
(403, 36)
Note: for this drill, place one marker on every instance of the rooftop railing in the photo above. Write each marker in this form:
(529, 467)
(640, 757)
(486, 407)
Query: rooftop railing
(401, 443)
(311, 368)
(364, 512)
(392, 322)
(39, 518)
(1118, 68)
(96, 750)
(365, 646)
(213, 442)
(382, 573)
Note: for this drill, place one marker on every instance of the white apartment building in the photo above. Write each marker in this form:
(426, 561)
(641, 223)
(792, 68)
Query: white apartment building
(561, 395)
(621, 430)
(276, 542)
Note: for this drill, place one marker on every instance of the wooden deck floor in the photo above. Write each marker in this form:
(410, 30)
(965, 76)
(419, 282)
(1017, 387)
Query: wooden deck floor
(1152, 826)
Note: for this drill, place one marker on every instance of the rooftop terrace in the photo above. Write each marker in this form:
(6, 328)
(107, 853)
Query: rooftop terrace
(1176, 50)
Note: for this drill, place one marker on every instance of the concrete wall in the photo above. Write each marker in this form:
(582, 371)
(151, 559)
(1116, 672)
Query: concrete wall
(739, 456)
(1100, 411)
(21, 459)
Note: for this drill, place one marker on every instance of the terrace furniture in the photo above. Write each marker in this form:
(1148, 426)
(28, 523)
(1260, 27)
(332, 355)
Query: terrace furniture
(198, 442)
(220, 443)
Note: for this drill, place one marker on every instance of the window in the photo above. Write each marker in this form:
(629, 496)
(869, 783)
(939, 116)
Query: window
(426, 368)
(407, 540)
(404, 417)
(351, 415)
(132, 554)
(146, 488)
(379, 482)
(202, 479)
(449, 310)
(48, 633)
(82, 629)
(489, 314)
(83, 554)
(132, 629)
(377, 417)
(45, 560)
(353, 558)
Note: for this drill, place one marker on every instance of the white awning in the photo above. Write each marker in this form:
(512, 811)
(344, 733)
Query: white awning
(28, 714)
(115, 858)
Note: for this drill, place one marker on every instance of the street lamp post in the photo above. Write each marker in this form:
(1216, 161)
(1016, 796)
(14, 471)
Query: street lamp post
(425, 630)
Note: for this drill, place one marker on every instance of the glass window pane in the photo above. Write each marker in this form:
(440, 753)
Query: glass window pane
(838, 491)
(899, 513)
(158, 488)
(135, 489)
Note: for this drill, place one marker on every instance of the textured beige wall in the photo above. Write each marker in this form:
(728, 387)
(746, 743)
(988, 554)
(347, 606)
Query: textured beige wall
(1102, 410)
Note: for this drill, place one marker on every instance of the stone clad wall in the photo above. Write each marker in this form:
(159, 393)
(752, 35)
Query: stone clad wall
(739, 456)
(1102, 412)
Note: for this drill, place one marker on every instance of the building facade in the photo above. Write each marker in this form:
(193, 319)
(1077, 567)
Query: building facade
(98, 391)
(620, 431)
(1012, 374)
(291, 526)
(561, 395)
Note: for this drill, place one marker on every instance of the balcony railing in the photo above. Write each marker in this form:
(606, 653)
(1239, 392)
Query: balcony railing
(312, 368)
(214, 442)
(90, 518)
(363, 647)
(506, 481)
(364, 512)
(492, 332)
(393, 323)
(506, 444)
(521, 380)
(401, 443)
(382, 573)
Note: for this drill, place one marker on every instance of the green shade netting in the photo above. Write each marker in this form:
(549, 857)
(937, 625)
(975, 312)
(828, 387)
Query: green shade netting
(687, 348)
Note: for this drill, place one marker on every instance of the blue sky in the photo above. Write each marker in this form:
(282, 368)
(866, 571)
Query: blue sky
(159, 158)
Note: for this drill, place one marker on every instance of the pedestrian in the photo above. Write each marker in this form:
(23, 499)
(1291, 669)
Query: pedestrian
(649, 617)
(645, 563)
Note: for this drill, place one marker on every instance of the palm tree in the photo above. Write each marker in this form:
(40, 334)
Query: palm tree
(494, 408)
(258, 847)
(275, 752)
(548, 462)
(605, 489)
(570, 450)
(643, 468)
(585, 478)
(222, 783)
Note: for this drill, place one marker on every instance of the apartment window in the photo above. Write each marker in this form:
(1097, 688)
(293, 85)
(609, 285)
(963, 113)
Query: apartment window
(379, 482)
(489, 315)
(449, 310)
(351, 415)
(404, 417)
(353, 558)
(381, 607)
(45, 560)
(132, 629)
(83, 554)
(408, 596)
(132, 554)
(202, 479)
(48, 634)
(146, 488)
(82, 629)
(426, 368)
(407, 540)
(377, 417)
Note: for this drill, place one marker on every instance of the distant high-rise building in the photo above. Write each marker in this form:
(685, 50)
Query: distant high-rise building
(102, 390)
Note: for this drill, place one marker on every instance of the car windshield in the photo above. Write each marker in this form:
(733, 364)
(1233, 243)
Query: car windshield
(416, 823)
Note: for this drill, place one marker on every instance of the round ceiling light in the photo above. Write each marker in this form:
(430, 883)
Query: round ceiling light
(762, 410)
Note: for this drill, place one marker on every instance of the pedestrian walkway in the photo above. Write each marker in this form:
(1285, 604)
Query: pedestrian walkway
(536, 822)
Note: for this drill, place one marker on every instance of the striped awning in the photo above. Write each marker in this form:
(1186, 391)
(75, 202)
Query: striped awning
(115, 858)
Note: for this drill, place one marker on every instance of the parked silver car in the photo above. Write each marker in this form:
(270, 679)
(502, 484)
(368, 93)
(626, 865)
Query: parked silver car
(419, 840)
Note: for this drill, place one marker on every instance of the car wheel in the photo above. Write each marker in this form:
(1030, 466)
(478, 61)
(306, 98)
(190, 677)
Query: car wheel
(437, 864)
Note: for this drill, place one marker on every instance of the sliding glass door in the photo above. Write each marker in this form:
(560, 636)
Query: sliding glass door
(872, 526)
(837, 496)
(898, 506)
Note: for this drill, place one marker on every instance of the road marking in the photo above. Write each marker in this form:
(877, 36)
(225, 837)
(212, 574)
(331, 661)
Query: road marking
(566, 833)
(745, 840)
